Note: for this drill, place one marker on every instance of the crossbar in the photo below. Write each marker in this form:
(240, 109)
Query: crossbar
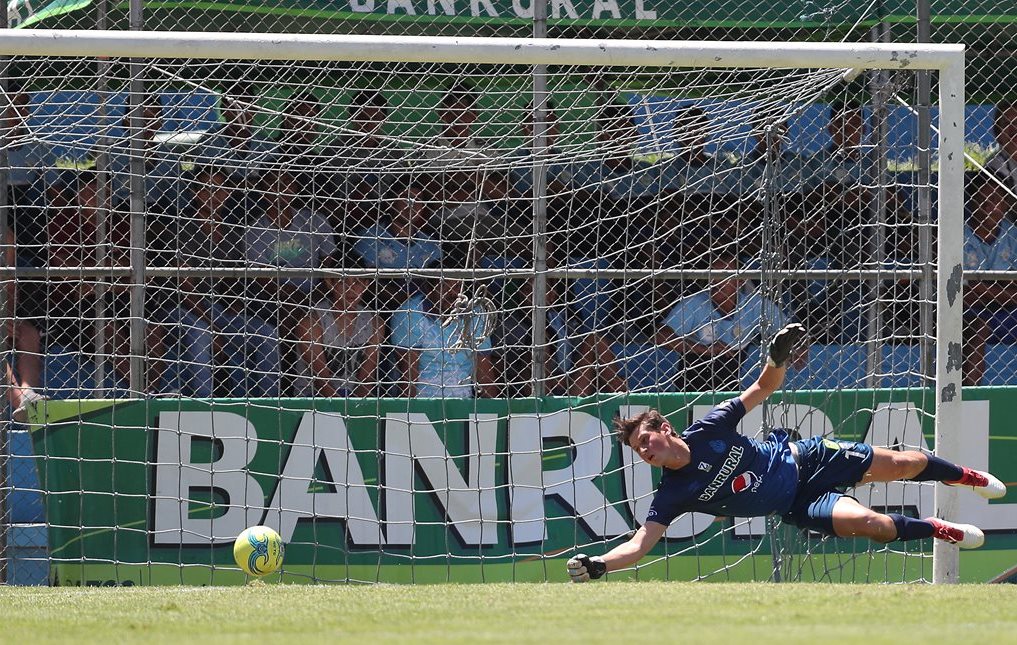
(521, 51)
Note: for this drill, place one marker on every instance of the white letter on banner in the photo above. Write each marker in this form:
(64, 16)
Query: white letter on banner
(573, 485)
(600, 6)
(405, 5)
(362, 6)
(324, 435)
(975, 454)
(557, 5)
(488, 7)
(448, 7)
(176, 476)
(521, 11)
(471, 507)
(643, 13)
(638, 478)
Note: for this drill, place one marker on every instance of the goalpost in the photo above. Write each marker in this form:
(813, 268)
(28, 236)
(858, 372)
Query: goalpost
(385, 294)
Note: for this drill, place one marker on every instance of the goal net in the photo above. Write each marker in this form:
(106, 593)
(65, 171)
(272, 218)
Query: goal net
(386, 295)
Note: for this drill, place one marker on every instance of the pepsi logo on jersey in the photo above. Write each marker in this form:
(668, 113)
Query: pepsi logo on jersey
(746, 481)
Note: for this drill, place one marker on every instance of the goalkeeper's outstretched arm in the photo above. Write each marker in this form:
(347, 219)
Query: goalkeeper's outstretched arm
(772, 376)
(583, 567)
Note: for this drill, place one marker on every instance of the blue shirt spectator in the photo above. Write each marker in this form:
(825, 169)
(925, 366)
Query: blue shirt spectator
(713, 327)
(786, 171)
(995, 253)
(990, 243)
(301, 241)
(398, 241)
(1003, 164)
(435, 363)
(698, 317)
(845, 162)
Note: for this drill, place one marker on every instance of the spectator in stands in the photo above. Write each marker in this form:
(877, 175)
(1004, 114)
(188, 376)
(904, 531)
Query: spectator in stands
(24, 372)
(466, 186)
(340, 338)
(300, 138)
(301, 150)
(436, 359)
(841, 172)
(234, 144)
(692, 127)
(161, 165)
(1003, 164)
(830, 309)
(522, 158)
(772, 159)
(364, 144)
(990, 244)
(641, 304)
(214, 331)
(31, 168)
(575, 364)
(457, 111)
(284, 234)
(706, 179)
(366, 160)
(713, 327)
(73, 241)
(400, 240)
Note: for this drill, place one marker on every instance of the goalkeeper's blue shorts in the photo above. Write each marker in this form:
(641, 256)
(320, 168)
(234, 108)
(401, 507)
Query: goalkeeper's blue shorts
(825, 468)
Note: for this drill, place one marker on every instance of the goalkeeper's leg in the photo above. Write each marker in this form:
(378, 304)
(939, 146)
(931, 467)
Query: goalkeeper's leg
(851, 519)
(891, 465)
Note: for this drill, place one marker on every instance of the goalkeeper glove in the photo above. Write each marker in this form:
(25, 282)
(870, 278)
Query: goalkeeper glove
(784, 343)
(583, 568)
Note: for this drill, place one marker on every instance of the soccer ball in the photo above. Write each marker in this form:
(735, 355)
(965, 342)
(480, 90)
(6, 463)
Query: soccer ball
(258, 551)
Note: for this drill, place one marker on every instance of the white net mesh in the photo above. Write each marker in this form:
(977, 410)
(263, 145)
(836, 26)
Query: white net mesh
(343, 302)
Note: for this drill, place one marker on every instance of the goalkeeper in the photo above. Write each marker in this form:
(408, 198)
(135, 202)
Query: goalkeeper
(711, 468)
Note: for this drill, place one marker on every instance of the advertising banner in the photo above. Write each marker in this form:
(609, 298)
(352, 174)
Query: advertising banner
(430, 490)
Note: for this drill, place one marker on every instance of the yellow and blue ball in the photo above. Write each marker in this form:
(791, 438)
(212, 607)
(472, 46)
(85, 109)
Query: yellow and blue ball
(258, 551)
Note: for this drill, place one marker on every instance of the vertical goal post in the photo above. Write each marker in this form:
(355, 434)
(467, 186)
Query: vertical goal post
(946, 60)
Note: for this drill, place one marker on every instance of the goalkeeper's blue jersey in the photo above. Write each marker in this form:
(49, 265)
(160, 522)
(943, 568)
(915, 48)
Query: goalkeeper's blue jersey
(729, 474)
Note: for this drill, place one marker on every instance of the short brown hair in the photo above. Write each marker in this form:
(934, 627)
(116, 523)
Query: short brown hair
(625, 428)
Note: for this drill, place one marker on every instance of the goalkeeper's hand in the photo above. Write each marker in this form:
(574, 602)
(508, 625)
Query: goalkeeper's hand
(583, 568)
(784, 343)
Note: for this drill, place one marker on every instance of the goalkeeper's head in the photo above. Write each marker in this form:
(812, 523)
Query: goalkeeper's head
(653, 438)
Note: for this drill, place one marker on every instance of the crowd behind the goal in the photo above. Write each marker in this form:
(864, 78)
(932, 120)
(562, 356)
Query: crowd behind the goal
(363, 200)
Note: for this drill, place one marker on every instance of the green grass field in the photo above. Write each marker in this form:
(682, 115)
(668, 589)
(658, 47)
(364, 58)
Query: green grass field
(756, 613)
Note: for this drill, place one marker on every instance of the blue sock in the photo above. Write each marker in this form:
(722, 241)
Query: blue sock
(908, 528)
(939, 470)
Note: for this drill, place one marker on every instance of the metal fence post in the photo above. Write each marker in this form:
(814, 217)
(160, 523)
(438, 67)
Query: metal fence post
(138, 329)
(5, 339)
(538, 149)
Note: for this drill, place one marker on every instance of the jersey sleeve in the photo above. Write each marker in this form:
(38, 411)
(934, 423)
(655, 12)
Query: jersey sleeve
(725, 416)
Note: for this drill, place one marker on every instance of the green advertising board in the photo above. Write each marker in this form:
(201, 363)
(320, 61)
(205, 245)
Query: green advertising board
(154, 491)
(657, 14)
